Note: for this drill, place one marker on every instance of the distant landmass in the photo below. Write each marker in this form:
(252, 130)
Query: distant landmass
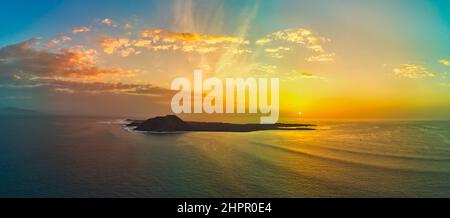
(172, 123)
(14, 111)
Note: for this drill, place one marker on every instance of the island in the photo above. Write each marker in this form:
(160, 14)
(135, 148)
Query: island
(172, 123)
(15, 111)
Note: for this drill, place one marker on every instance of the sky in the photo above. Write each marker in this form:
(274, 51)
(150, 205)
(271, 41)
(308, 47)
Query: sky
(336, 59)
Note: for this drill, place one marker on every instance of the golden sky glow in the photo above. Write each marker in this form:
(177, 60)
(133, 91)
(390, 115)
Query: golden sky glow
(354, 64)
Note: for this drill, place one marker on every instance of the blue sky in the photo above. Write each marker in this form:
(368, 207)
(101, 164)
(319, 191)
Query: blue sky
(23, 18)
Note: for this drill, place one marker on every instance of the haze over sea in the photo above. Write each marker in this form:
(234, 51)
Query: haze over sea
(96, 157)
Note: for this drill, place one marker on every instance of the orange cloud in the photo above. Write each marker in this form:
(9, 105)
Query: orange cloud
(142, 43)
(56, 41)
(71, 70)
(169, 36)
(29, 61)
(80, 30)
(121, 46)
(161, 40)
(80, 56)
(189, 42)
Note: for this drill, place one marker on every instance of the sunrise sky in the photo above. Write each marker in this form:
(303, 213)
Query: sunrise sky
(359, 59)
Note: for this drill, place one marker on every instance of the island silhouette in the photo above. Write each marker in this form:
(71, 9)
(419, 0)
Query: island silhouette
(16, 111)
(172, 123)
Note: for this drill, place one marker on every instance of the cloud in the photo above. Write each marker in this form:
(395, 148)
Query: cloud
(190, 42)
(298, 36)
(308, 75)
(128, 26)
(266, 69)
(412, 71)
(142, 43)
(121, 46)
(276, 52)
(294, 38)
(27, 61)
(322, 58)
(72, 70)
(296, 75)
(49, 85)
(108, 22)
(164, 40)
(263, 41)
(445, 62)
(57, 41)
(169, 36)
(80, 29)
(103, 87)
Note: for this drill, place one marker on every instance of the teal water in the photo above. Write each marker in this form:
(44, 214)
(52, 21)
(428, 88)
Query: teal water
(97, 157)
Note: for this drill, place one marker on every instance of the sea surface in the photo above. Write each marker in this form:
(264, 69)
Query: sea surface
(98, 157)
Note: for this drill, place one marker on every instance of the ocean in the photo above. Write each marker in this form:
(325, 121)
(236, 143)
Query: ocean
(97, 157)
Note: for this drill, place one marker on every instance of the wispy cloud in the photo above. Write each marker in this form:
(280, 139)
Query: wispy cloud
(297, 37)
(263, 41)
(80, 29)
(266, 69)
(296, 75)
(301, 36)
(322, 58)
(412, 71)
(159, 39)
(277, 52)
(161, 35)
(102, 87)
